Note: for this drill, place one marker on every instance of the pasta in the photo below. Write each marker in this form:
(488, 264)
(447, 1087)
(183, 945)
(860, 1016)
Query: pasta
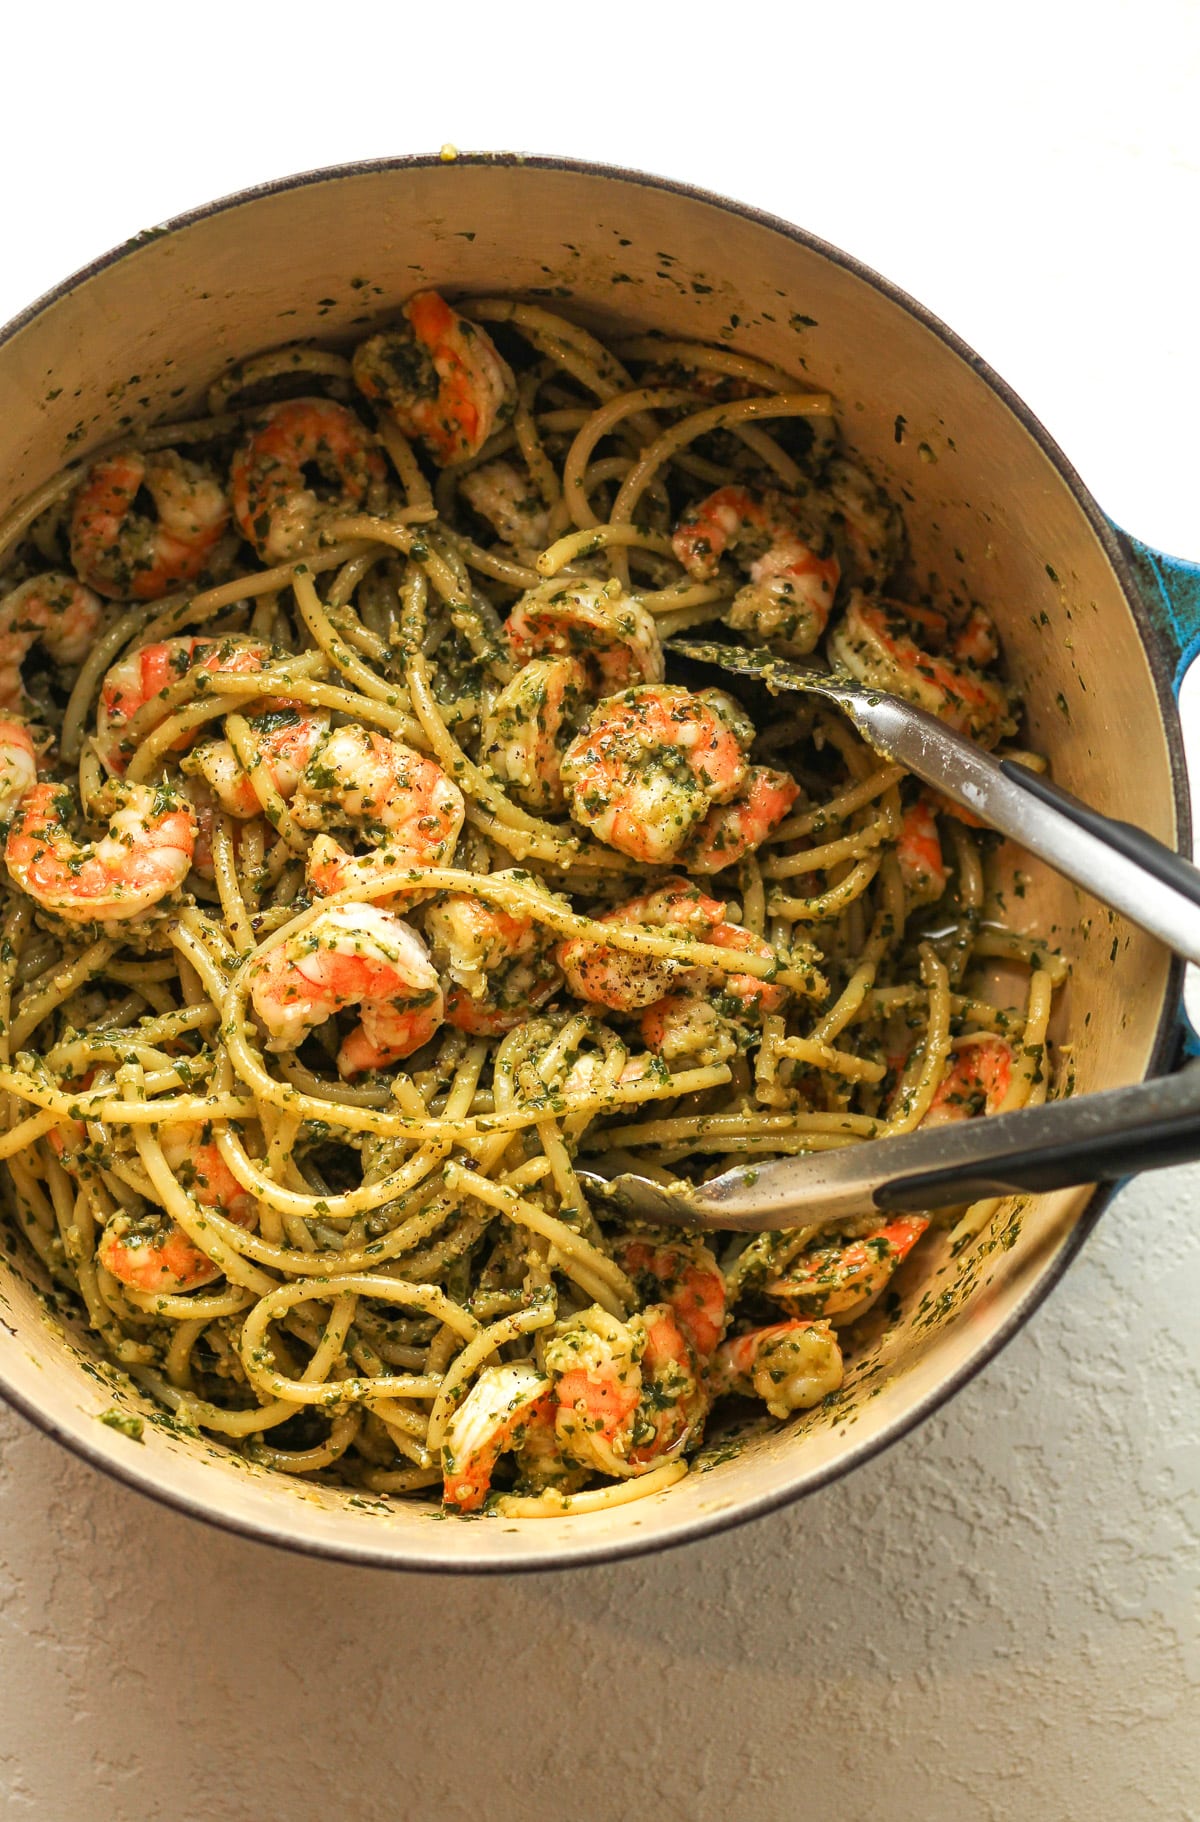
(371, 865)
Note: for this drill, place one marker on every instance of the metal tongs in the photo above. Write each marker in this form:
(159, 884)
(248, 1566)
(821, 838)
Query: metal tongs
(1092, 1139)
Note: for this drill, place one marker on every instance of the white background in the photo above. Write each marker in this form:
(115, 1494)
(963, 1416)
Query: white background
(998, 1618)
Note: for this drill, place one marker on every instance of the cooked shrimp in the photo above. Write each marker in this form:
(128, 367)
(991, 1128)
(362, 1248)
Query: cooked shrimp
(496, 968)
(440, 377)
(594, 1362)
(867, 528)
(330, 868)
(18, 765)
(587, 1075)
(120, 551)
(152, 1254)
(744, 995)
(512, 505)
(875, 642)
(495, 1416)
(685, 1275)
(686, 1026)
(398, 799)
(141, 675)
(156, 1255)
(144, 853)
(352, 955)
(845, 1280)
(732, 519)
(975, 638)
(732, 830)
(709, 1019)
(791, 1366)
(919, 854)
(674, 1399)
(540, 1460)
(976, 1081)
(144, 673)
(626, 1393)
(611, 633)
(285, 739)
(606, 976)
(651, 763)
(525, 732)
(54, 611)
(791, 588)
(277, 511)
(713, 1018)
(197, 1164)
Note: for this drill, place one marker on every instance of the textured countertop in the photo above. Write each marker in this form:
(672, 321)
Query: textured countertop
(999, 1616)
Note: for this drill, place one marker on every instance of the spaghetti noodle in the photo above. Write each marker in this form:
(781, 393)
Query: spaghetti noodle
(370, 863)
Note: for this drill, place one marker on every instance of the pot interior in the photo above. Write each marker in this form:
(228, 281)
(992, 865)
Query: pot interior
(989, 514)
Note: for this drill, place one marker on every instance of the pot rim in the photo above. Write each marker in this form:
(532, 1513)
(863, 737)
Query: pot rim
(1166, 1039)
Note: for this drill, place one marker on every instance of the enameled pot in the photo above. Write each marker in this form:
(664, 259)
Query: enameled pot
(1095, 628)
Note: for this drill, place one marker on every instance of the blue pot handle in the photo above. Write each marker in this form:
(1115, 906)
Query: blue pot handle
(1170, 588)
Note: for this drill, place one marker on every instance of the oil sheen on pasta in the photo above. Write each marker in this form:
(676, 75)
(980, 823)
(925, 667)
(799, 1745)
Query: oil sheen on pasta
(370, 863)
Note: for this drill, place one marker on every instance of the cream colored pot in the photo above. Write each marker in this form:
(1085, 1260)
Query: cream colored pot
(995, 508)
